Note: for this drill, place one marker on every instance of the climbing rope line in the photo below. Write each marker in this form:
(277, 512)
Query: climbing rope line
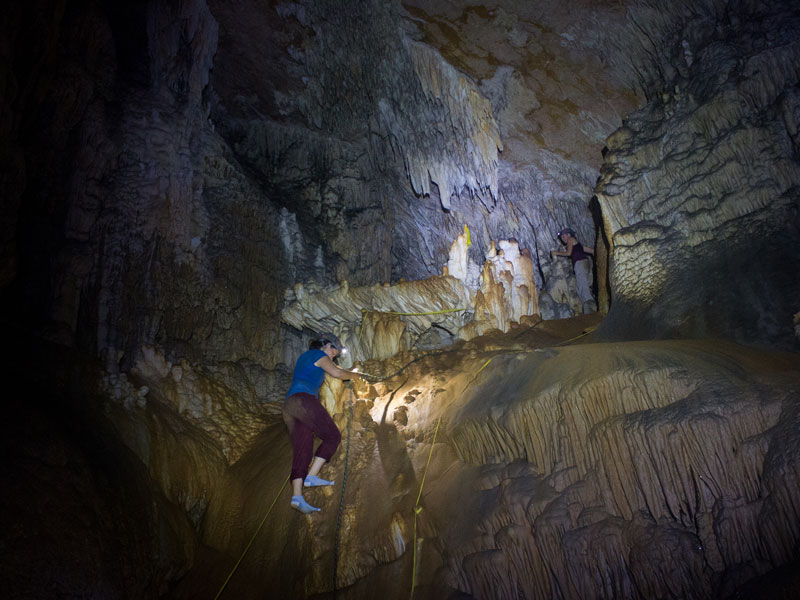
(587, 332)
(341, 497)
(417, 507)
(252, 539)
(474, 377)
(420, 314)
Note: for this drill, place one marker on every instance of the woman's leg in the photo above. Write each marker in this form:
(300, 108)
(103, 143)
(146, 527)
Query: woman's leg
(300, 413)
(316, 465)
(301, 435)
(583, 280)
(323, 426)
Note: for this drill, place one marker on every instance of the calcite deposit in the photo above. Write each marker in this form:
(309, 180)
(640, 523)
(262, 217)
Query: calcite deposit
(382, 320)
(699, 231)
(668, 468)
(193, 189)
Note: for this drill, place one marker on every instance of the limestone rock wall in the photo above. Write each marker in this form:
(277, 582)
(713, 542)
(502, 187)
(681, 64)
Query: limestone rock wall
(134, 224)
(81, 513)
(699, 189)
(695, 451)
(167, 182)
(383, 139)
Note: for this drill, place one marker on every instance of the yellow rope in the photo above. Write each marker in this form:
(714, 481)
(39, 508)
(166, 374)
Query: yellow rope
(252, 539)
(576, 337)
(477, 372)
(417, 507)
(419, 314)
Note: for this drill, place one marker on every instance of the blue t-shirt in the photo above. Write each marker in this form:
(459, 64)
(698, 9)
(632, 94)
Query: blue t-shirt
(307, 377)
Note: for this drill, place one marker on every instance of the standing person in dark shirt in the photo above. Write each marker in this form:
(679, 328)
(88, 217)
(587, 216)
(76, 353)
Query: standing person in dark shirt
(578, 254)
(305, 416)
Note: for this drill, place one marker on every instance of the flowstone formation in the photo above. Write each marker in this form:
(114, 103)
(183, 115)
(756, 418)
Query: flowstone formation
(703, 236)
(191, 188)
(628, 470)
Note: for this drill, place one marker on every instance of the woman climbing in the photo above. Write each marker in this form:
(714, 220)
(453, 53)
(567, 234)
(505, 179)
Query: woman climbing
(578, 254)
(305, 416)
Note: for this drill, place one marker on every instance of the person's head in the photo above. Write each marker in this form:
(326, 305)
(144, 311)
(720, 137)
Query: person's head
(565, 234)
(329, 344)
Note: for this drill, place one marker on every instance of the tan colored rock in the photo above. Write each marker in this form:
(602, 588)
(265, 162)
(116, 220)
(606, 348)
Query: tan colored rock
(379, 319)
(508, 291)
(668, 467)
(229, 416)
(506, 294)
(472, 114)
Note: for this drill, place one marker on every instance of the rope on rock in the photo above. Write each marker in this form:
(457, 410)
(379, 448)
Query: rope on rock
(341, 497)
(417, 507)
(252, 539)
(586, 332)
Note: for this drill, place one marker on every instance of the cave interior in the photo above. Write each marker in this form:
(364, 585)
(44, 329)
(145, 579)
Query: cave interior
(195, 189)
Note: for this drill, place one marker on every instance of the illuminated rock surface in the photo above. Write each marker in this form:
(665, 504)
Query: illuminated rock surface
(670, 468)
(699, 229)
(382, 320)
(192, 188)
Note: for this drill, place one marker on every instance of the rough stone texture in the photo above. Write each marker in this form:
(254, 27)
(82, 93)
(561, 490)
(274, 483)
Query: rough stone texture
(367, 319)
(667, 468)
(164, 186)
(703, 234)
(79, 511)
(171, 169)
(382, 320)
(507, 291)
(400, 116)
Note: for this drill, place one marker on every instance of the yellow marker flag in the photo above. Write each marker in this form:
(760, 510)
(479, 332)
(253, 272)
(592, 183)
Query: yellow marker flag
(466, 230)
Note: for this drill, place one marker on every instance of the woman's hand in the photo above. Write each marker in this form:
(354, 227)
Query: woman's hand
(327, 365)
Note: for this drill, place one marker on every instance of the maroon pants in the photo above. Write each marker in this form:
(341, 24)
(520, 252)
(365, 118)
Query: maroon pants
(305, 416)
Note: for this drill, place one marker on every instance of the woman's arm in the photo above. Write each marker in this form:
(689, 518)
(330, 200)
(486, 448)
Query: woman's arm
(326, 364)
(588, 250)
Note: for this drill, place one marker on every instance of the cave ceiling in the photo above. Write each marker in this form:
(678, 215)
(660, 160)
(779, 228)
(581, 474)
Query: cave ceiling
(379, 90)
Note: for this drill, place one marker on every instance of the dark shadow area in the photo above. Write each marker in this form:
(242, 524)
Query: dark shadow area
(79, 511)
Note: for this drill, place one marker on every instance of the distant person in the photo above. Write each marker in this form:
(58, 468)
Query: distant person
(305, 416)
(578, 254)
